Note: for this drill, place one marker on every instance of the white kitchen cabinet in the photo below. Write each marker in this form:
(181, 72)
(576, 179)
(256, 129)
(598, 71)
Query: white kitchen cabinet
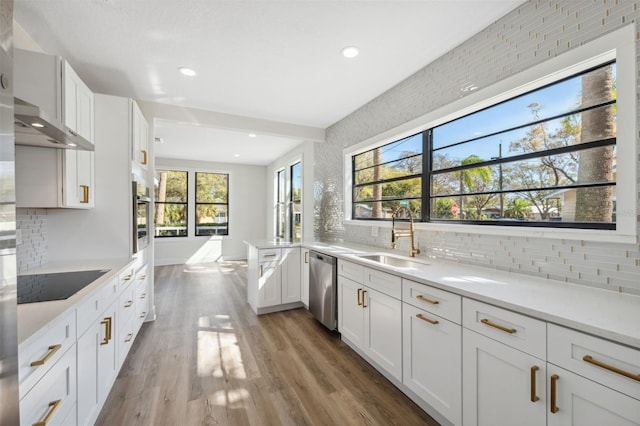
(141, 297)
(432, 359)
(304, 277)
(501, 385)
(78, 185)
(139, 137)
(78, 104)
(273, 279)
(291, 275)
(369, 319)
(52, 400)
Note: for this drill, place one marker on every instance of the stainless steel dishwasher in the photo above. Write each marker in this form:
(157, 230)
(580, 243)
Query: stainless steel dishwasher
(323, 289)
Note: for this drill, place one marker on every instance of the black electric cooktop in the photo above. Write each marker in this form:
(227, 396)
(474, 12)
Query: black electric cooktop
(57, 286)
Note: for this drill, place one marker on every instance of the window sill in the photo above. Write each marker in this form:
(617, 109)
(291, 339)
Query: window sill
(512, 231)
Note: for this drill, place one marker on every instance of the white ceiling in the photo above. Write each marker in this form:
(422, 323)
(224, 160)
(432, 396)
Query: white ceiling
(272, 60)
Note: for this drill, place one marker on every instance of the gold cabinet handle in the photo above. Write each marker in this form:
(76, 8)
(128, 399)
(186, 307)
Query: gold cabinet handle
(590, 360)
(363, 293)
(51, 350)
(306, 257)
(105, 341)
(498, 326)
(261, 271)
(424, 299)
(534, 370)
(143, 295)
(142, 277)
(53, 407)
(269, 255)
(359, 293)
(429, 320)
(144, 157)
(85, 194)
(129, 337)
(128, 304)
(142, 315)
(554, 408)
(128, 277)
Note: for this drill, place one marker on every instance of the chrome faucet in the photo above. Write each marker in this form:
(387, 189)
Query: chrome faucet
(395, 234)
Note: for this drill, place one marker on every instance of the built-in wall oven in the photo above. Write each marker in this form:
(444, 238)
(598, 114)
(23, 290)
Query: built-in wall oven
(141, 216)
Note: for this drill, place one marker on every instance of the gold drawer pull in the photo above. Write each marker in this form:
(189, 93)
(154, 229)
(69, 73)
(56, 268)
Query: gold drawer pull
(128, 277)
(51, 352)
(85, 194)
(498, 326)
(129, 337)
(423, 318)
(144, 157)
(554, 408)
(143, 295)
(54, 407)
(107, 330)
(128, 304)
(590, 360)
(534, 370)
(359, 292)
(142, 315)
(363, 293)
(424, 299)
(269, 255)
(142, 277)
(306, 257)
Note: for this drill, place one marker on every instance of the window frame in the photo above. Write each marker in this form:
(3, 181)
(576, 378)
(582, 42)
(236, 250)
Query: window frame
(291, 222)
(197, 203)
(619, 46)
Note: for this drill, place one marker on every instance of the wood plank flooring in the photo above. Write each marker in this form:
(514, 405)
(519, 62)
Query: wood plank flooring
(208, 360)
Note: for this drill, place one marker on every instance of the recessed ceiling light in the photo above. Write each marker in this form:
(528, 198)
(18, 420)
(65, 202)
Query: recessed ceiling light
(37, 125)
(236, 155)
(252, 135)
(350, 52)
(187, 71)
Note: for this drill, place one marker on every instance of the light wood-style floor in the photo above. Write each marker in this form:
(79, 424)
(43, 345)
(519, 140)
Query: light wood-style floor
(208, 360)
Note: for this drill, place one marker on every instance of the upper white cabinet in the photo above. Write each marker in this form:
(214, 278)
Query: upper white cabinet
(139, 137)
(78, 104)
(77, 184)
(50, 83)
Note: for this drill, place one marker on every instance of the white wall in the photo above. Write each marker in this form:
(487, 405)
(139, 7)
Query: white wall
(304, 154)
(247, 215)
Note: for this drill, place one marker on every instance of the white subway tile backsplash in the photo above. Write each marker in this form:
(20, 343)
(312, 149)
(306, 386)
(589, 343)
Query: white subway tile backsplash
(32, 252)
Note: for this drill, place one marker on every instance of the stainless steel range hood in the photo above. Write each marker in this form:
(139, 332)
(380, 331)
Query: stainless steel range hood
(33, 126)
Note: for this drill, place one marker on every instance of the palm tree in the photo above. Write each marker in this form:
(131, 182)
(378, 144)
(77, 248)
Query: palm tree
(596, 165)
(475, 180)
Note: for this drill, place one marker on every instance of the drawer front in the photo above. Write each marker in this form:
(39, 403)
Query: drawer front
(518, 331)
(388, 284)
(42, 350)
(142, 301)
(88, 310)
(126, 306)
(350, 270)
(110, 292)
(269, 255)
(126, 276)
(54, 396)
(433, 300)
(125, 339)
(594, 358)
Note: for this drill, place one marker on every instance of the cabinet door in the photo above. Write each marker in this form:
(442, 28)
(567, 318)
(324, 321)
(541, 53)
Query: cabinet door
(78, 189)
(140, 137)
(108, 361)
(291, 275)
(269, 284)
(383, 330)
(350, 311)
(78, 104)
(304, 290)
(497, 384)
(432, 360)
(88, 372)
(580, 401)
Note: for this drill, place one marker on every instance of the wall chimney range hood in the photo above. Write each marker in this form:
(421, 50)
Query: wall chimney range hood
(33, 126)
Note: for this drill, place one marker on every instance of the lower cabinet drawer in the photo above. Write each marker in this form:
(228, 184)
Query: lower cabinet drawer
(518, 331)
(141, 302)
(52, 398)
(126, 306)
(602, 361)
(44, 349)
(125, 339)
(433, 300)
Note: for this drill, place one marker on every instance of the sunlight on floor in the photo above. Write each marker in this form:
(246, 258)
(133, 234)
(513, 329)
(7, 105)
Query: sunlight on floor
(233, 398)
(218, 352)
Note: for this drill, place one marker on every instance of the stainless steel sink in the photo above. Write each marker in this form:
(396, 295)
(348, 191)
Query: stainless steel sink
(394, 261)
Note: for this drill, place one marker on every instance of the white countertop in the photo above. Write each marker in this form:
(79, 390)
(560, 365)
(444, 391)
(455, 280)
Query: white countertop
(608, 314)
(33, 316)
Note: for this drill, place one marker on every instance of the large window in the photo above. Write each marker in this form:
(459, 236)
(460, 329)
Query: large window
(288, 203)
(212, 204)
(171, 203)
(544, 158)
(281, 196)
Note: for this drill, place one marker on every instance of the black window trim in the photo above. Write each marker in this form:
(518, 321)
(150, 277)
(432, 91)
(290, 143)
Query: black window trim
(196, 204)
(185, 204)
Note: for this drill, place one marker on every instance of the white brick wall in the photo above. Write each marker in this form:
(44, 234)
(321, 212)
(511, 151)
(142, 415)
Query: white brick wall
(532, 33)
